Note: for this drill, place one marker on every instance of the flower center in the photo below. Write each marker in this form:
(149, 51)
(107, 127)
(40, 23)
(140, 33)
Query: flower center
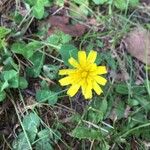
(84, 74)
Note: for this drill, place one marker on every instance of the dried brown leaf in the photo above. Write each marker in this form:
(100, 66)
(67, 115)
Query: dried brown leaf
(62, 23)
(137, 43)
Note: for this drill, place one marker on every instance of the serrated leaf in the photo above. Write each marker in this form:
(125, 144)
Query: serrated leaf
(46, 95)
(31, 122)
(95, 116)
(20, 143)
(58, 38)
(10, 79)
(27, 50)
(86, 133)
(38, 11)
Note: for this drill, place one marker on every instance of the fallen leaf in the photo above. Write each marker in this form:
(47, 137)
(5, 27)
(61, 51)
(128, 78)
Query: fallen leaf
(63, 23)
(137, 43)
(59, 20)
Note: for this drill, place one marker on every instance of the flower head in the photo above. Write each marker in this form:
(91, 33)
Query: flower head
(85, 74)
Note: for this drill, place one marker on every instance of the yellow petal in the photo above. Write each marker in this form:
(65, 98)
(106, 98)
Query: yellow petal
(66, 71)
(73, 62)
(66, 81)
(82, 58)
(89, 82)
(83, 86)
(97, 88)
(100, 80)
(92, 57)
(101, 70)
(73, 90)
(88, 93)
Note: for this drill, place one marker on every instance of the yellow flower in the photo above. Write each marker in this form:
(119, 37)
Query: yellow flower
(85, 75)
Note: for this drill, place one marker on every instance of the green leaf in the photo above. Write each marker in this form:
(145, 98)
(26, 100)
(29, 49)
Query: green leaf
(38, 7)
(43, 145)
(23, 84)
(122, 89)
(144, 102)
(133, 102)
(97, 2)
(107, 57)
(4, 31)
(27, 50)
(38, 10)
(20, 143)
(134, 3)
(10, 78)
(4, 85)
(44, 140)
(31, 2)
(8, 75)
(100, 104)
(2, 96)
(19, 48)
(2, 43)
(31, 122)
(121, 4)
(42, 2)
(47, 95)
(97, 110)
(37, 60)
(86, 133)
(9, 63)
(14, 83)
(58, 38)
(51, 71)
(120, 109)
(95, 115)
(45, 134)
(67, 51)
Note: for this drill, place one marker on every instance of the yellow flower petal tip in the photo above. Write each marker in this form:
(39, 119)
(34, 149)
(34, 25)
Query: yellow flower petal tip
(85, 75)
